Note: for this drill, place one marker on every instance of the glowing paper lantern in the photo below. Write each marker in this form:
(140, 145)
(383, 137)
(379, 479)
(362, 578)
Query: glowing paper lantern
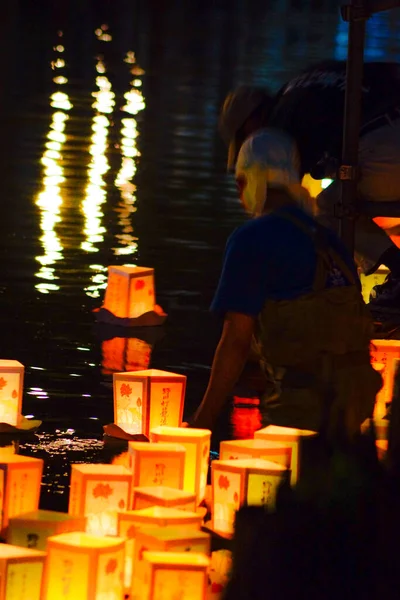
(20, 479)
(157, 464)
(197, 445)
(84, 567)
(21, 573)
(156, 516)
(98, 492)
(32, 529)
(146, 399)
(173, 575)
(144, 497)
(165, 539)
(383, 356)
(278, 452)
(237, 483)
(219, 573)
(288, 436)
(130, 291)
(11, 386)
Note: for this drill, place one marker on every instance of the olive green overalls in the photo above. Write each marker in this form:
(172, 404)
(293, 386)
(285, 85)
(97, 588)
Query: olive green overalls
(315, 351)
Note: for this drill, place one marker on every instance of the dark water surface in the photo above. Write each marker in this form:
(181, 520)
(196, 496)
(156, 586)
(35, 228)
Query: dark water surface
(110, 156)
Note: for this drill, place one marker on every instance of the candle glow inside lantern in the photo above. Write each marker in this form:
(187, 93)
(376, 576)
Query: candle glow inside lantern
(155, 516)
(20, 479)
(157, 464)
(21, 571)
(146, 399)
(288, 436)
(173, 575)
(32, 529)
(278, 452)
(11, 387)
(237, 483)
(98, 492)
(130, 291)
(383, 356)
(165, 539)
(145, 497)
(197, 445)
(84, 567)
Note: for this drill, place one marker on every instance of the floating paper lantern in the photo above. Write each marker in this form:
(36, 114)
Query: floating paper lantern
(278, 452)
(83, 567)
(11, 386)
(173, 575)
(20, 479)
(197, 445)
(97, 493)
(125, 354)
(21, 573)
(165, 539)
(146, 399)
(144, 497)
(32, 529)
(219, 573)
(288, 436)
(383, 356)
(157, 464)
(156, 516)
(130, 291)
(237, 483)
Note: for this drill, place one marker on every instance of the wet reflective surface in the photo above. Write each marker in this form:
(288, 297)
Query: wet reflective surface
(110, 156)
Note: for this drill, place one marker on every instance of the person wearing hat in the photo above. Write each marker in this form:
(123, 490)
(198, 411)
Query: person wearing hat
(289, 285)
(310, 109)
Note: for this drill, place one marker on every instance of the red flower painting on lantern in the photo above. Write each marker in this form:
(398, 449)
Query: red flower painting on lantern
(111, 566)
(131, 532)
(139, 285)
(125, 390)
(3, 383)
(14, 394)
(121, 504)
(102, 490)
(223, 482)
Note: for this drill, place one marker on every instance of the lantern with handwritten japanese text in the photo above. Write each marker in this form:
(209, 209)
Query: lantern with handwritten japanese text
(165, 539)
(130, 291)
(131, 521)
(287, 436)
(11, 387)
(237, 483)
(197, 445)
(147, 399)
(172, 575)
(125, 354)
(383, 356)
(32, 529)
(21, 571)
(20, 479)
(80, 566)
(275, 451)
(144, 497)
(97, 492)
(157, 464)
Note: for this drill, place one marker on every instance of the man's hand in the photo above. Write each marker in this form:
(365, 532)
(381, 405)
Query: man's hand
(230, 357)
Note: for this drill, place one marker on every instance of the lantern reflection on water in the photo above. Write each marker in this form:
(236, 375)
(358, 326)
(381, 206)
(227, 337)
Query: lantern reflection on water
(21, 572)
(170, 575)
(236, 483)
(97, 493)
(84, 567)
(125, 354)
(146, 399)
(11, 386)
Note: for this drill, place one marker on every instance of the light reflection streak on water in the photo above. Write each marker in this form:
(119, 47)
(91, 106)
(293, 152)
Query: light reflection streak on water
(96, 194)
(49, 200)
(134, 103)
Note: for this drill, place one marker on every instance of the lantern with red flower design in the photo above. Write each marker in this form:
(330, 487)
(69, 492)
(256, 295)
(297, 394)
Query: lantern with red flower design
(97, 492)
(146, 399)
(11, 386)
(84, 567)
(237, 483)
(130, 291)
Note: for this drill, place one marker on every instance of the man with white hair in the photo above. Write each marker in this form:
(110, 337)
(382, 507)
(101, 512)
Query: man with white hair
(289, 284)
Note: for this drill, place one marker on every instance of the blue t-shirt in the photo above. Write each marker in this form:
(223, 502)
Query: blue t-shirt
(272, 258)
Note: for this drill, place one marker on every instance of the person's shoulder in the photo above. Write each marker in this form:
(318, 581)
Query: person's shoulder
(253, 230)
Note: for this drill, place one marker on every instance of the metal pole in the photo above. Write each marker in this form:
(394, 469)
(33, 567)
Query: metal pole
(348, 174)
